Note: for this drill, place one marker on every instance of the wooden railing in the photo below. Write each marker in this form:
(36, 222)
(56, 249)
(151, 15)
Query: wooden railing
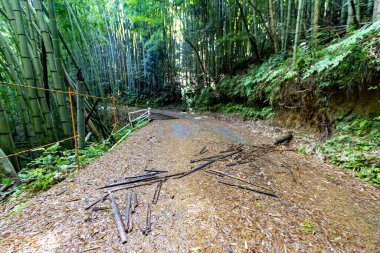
(142, 116)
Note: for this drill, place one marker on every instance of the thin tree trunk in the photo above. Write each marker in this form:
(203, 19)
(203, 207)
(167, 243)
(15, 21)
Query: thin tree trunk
(288, 19)
(298, 29)
(253, 43)
(376, 10)
(273, 26)
(315, 21)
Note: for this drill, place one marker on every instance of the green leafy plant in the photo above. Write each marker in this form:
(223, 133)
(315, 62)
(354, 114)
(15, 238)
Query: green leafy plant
(308, 227)
(55, 163)
(355, 147)
(18, 209)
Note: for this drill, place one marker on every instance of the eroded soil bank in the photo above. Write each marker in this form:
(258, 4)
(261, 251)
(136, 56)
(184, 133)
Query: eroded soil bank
(326, 211)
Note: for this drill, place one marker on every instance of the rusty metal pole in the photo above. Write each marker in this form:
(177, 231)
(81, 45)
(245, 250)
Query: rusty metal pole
(74, 129)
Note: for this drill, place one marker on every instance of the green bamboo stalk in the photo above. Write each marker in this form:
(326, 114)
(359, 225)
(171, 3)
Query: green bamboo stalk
(37, 66)
(28, 72)
(6, 139)
(57, 82)
(9, 68)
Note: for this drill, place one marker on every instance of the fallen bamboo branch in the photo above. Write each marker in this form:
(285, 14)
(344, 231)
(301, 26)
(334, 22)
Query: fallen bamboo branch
(233, 148)
(250, 189)
(89, 249)
(157, 192)
(222, 174)
(206, 164)
(148, 227)
(142, 176)
(62, 192)
(155, 180)
(196, 168)
(134, 186)
(128, 213)
(215, 157)
(131, 181)
(202, 150)
(239, 163)
(96, 201)
(155, 170)
(134, 202)
(100, 208)
(118, 219)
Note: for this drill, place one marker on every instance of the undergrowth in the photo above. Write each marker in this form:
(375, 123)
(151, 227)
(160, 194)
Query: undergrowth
(240, 109)
(55, 163)
(355, 147)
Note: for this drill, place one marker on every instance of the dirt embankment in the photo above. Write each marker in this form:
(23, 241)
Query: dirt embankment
(312, 111)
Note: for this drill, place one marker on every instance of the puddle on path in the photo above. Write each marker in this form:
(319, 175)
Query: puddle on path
(179, 129)
(194, 126)
(227, 133)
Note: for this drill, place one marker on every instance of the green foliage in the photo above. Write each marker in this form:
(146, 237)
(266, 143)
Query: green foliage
(247, 111)
(6, 181)
(165, 96)
(346, 63)
(54, 163)
(355, 146)
(308, 227)
(18, 209)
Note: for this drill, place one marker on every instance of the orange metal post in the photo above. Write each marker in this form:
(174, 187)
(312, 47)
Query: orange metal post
(74, 129)
(114, 116)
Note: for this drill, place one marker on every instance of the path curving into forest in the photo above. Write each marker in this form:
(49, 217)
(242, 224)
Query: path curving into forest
(196, 213)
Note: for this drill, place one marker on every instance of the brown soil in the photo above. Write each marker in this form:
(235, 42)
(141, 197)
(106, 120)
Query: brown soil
(196, 213)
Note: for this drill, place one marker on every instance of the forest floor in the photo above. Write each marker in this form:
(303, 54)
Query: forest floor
(324, 210)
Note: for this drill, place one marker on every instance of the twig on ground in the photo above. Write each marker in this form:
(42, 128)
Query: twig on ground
(222, 174)
(202, 150)
(148, 227)
(134, 202)
(96, 201)
(250, 189)
(157, 192)
(128, 213)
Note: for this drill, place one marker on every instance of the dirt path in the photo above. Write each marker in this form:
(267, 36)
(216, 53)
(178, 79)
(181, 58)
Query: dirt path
(196, 213)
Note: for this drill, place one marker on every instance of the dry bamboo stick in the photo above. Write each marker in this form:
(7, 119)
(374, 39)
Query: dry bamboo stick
(119, 222)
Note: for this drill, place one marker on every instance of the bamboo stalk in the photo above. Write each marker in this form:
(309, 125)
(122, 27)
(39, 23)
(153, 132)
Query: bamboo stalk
(118, 220)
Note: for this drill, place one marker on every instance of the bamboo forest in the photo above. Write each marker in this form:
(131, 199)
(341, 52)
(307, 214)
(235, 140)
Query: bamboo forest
(189, 126)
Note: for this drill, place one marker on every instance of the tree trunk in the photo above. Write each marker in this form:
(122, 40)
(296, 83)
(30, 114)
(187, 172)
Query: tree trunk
(376, 10)
(273, 26)
(298, 29)
(315, 21)
(252, 41)
(288, 19)
(343, 12)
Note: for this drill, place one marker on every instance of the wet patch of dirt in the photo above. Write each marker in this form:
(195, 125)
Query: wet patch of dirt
(325, 211)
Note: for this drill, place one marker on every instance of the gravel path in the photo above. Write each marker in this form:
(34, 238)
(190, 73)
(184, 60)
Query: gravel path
(325, 211)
